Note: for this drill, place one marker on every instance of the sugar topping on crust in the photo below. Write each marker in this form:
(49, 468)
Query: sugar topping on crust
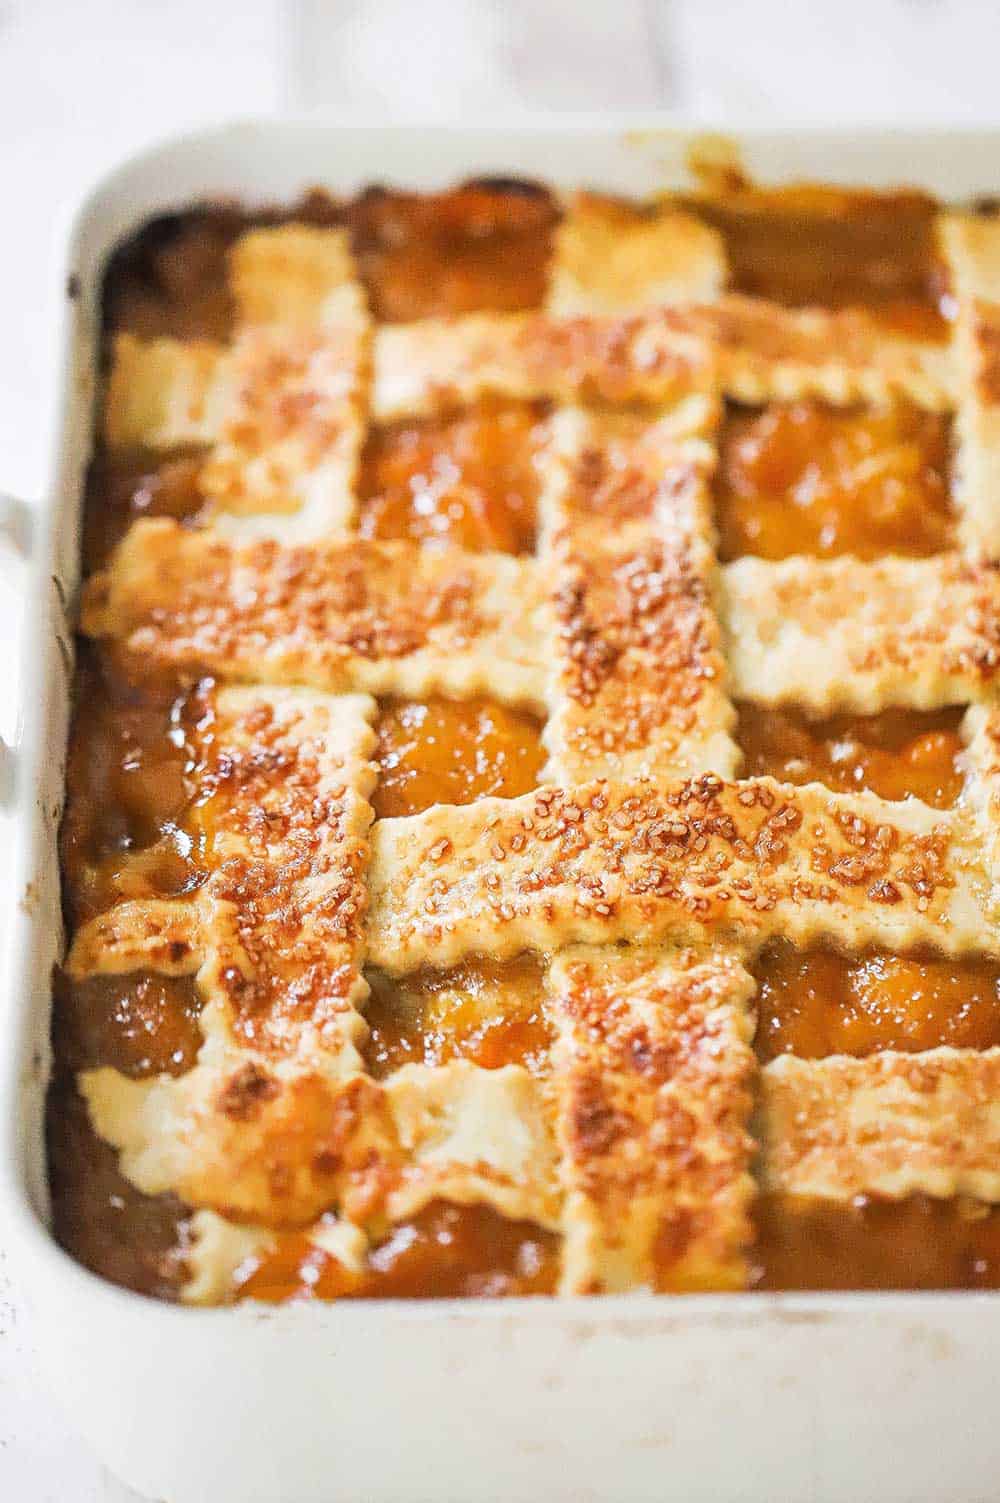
(892, 1124)
(768, 353)
(386, 618)
(838, 634)
(645, 870)
(639, 682)
(651, 1079)
(688, 861)
(440, 364)
(281, 411)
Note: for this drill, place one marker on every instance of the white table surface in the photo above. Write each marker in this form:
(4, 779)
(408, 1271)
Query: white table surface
(84, 82)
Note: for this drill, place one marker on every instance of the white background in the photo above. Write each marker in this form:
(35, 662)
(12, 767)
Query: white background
(84, 82)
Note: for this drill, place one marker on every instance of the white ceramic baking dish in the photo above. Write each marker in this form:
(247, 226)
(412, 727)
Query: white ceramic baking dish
(722, 1397)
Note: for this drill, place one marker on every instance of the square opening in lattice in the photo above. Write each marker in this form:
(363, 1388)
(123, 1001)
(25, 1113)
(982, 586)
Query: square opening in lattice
(818, 246)
(121, 488)
(897, 754)
(443, 751)
(470, 480)
(820, 1002)
(805, 478)
(487, 1011)
(875, 1243)
(483, 247)
(125, 829)
(172, 278)
(444, 1252)
(141, 1023)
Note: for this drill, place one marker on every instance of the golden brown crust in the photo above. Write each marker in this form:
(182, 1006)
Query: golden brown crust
(633, 1142)
(892, 1124)
(769, 353)
(612, 257)
(295, 274)
(757, 352)
(639, 683)
(652, 1074)
(280, 794)
(837, 634)
(282, 410)
(280, 797)
(288, 441)
(252, 1142)
(388, 618)
(972, 248)
(163, 394)
(440, 364)
(691, 862)
(162, 935)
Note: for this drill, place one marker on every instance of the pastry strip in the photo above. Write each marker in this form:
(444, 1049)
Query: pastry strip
(892, 1124)
(652, 1074)
(692, 862)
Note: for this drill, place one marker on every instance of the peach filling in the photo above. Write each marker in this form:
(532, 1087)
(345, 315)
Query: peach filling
(917, 1243)
(141, 1023)
(804, 478)
(487, 1011)
(837, 248)
(128, 787)
(97, 1214)
(446, 1251)
(469, 480)
(894, 754)
(817, 1002)
(480, 247)
(443, 751)
(120, 491)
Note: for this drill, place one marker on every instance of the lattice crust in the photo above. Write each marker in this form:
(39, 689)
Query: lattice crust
(438, 365)
(770, 353)
(972, 247)
(281, 1145)
(218, 1249)
(470, 1135)
(163, 394)
(690, 862)
(467, 1135)
(838, 634)
(276, 1143)
(296, 275)
(388, 618)
(275, 931)
(283, 409)
(761, 352)
(276, 1123)
(280, 817)
(612, 257)
(892, 1124)
(652, 1072)
(637, 1150)
(291, 437)
(636, 1146)
(638, 686)
(981, 733)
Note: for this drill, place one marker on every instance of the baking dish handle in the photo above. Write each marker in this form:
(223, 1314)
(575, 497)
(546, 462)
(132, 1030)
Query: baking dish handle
(16, 517)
